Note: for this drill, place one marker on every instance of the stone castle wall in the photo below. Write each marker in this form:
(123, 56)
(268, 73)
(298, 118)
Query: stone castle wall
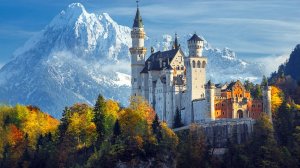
(218, 132)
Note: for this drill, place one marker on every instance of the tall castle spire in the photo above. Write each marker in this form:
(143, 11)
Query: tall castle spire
(138, 22)
(176, 45)
(138, 52)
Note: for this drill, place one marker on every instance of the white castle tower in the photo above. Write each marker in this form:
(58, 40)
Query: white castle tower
(196, 68)
(138, 52)
(267, 105)
(210, 96)
(195, 65)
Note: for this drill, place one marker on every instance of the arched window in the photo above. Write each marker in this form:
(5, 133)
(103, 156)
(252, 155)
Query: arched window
(182, 68)
(198, 64)
(177, 68)
(203, 64)
(194, 64)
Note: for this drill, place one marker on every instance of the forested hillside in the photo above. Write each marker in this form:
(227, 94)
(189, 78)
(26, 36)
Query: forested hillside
(108, 135)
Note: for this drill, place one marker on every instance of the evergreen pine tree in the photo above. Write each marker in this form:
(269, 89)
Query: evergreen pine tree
(99, 117)
(284, 124)
(117, 128)
(64, 123)
(25, 158)
(177, 119)
(156, 128)
(264, 81)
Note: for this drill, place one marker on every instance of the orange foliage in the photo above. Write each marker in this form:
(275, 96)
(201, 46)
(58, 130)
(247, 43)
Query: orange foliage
(277, 98)
(14, 135)
(138, 103)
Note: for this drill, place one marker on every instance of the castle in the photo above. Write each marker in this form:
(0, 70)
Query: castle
(171, 81)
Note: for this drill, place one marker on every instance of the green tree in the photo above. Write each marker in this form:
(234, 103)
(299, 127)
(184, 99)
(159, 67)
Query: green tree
(257, 92)
(264, 81)
(284, 124)
(64, 123)
(248, 85)
(117, 128)
(99, 108)
(177, 119)
(156, 128)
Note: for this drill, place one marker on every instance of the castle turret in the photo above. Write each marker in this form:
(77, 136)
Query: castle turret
(195, 45)
(196, 68)
(138, 52)
(195, 65)
(267, 106)
(210, 95)
(169, 96)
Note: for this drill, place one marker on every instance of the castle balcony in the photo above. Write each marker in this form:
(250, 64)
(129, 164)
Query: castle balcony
(138, 50)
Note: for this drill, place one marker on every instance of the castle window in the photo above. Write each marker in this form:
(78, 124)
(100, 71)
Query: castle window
(177, 67)
(194, 64)
(182, 68)
(203, 64)
(198, 64)
(223, 113)
(241, 95)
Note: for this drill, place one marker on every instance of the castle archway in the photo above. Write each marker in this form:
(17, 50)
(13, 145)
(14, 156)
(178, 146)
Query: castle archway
(240, 114)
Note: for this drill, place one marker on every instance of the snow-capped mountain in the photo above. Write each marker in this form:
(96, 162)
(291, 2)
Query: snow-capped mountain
(76, 57)
(223, 65)
(80, 54)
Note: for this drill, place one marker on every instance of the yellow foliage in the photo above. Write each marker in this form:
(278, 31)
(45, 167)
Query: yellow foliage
(139, 104)
(16, 122)
(81, 126)
(110, 115)
(276, 99)
(37, 123)
(169, 135)
(132, 122)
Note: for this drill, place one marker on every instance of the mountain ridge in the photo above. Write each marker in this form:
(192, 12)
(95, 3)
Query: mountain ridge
(80, 54)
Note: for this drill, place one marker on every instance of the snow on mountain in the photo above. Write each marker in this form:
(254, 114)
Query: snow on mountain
(81, 54)
(223, 65)
(76, 57)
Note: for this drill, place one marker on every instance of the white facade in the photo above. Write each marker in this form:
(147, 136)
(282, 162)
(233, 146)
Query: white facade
(169, 80)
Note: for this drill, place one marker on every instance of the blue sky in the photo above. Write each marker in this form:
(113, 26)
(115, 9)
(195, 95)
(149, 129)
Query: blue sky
(262, 30)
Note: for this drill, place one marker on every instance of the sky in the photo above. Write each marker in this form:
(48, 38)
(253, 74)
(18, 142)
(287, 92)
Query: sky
(257, 30)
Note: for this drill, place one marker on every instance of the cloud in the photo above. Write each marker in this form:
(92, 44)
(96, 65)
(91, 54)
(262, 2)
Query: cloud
(121, 66)
(272, 63)
(245, 26)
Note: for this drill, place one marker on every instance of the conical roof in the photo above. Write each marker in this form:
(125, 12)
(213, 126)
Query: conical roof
(195, 37)
(138, 22)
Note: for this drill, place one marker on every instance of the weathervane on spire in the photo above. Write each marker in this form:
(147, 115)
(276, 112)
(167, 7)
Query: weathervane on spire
(137, 3)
